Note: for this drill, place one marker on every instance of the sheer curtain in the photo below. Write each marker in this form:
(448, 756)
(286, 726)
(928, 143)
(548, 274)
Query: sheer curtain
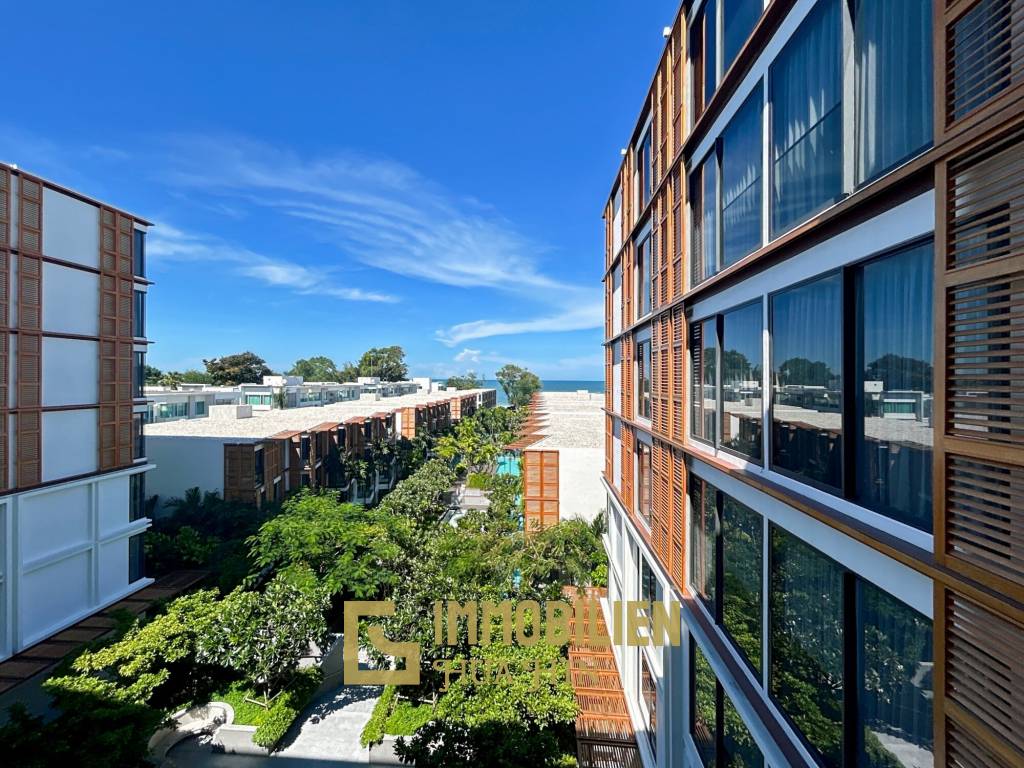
(807, 140)
(893, 49)
(741, 181)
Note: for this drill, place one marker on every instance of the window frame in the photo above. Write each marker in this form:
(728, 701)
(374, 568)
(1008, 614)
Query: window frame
(850, 375)
(769, 463)
(641, 449)
(851, 621)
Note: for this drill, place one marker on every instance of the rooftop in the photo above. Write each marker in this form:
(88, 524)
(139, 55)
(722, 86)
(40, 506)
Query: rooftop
(571, 420)
(262, 424)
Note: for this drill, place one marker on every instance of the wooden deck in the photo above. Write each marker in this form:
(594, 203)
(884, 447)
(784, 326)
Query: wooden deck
(48, 653)
(604, 732)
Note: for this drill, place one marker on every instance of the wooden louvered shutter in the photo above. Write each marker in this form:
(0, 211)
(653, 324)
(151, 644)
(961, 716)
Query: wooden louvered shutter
(696, 368)
(609, 378)
(30, 341)
(627, 376)
(678, 528)
(627, 467)
(677, 234)
(609, 448)
(981, 66)
(116, 433)
(678, 431)
(5, 318)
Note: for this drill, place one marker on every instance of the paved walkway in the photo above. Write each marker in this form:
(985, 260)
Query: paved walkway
(326, 736)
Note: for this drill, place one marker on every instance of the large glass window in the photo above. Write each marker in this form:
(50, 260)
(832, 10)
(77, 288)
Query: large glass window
(644, 257)
(137, 497)
(704, 361)
(138, 374)
(719, 733)
(742, 544)
(742, 339)
(645, 172)
(807, 126)
(704, 194)
(806, 641)
(138, 436)
(893, 51)
(139, 253)
(704, 540)
(139, 315)
(136, 558)
(704, 709)
(807, 348)
(258, 468)
(650, 589)
(649, 697)
(709, 18)
(643, 490)
(895, 673)
(643, 366)
(738, 20)
(741, 181)
(894, 404)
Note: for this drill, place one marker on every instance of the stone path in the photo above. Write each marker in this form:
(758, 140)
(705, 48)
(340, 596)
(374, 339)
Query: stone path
(325, 736)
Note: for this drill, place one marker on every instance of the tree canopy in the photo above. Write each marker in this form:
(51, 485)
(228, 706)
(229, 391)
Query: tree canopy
(317, 368)
(386, 362)
(241, 368)
(518, 383)
(469, 380)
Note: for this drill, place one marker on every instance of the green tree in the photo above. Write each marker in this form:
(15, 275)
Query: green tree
(519, 384)
(348, 372)
(318, 368)
(386, 362)
(468, 447)
(501, 719)
(262, 636)
(468, 381)
(241, 368)
(153, 375)
(171, 379)
(192, 376)
(346, 546)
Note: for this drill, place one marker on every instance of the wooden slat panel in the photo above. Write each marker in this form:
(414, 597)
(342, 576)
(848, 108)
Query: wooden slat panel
(985, 199)
(964, 751)
(984, 360)
(983, 56)
(30, 215)
(983, 671)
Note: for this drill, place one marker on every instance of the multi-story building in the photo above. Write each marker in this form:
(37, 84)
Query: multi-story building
(72, 354)
(165, 404)
(814, 389)
(260, 456)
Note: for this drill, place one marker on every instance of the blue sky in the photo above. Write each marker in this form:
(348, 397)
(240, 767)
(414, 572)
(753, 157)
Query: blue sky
(330, 176)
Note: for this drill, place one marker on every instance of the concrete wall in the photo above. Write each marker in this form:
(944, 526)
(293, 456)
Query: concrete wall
(580, 493)
(182, 463)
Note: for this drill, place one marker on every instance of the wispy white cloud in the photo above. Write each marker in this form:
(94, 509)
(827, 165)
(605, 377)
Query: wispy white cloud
(468, 355)
(581, 317)
(169, 243)
(386, 215)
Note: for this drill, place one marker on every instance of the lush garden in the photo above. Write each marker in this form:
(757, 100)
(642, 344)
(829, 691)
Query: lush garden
(279, 582)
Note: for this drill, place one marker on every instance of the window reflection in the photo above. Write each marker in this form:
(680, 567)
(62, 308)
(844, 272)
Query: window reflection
(807, 119)
(643, 452)
(807, 346)
(704, 524)
(742, 332)
(643, 357)
(896, 682)
(741, 181)
(709, 378)
(741, 567)
(894, 446)
(806, 661)
(738, 747)
(704, 720)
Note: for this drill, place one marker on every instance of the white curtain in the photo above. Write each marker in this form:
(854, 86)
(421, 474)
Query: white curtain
(806, 94)
(741, 181)
(893, 46)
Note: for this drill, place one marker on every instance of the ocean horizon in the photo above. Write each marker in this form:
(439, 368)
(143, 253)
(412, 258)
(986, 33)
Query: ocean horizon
(553, 385)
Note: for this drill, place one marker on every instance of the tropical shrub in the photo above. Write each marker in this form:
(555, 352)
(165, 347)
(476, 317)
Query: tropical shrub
(262, 636)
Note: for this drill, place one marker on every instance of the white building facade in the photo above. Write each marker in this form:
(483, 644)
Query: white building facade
(72, 356)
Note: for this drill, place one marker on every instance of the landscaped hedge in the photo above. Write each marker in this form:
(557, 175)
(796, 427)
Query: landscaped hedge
(373, 731)
(272, 723)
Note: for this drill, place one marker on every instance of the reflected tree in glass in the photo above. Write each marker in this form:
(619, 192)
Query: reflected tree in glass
(741, 563)
(742, 331)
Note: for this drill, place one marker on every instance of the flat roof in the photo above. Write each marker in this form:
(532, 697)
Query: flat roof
(263, 424)
(571, 420)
